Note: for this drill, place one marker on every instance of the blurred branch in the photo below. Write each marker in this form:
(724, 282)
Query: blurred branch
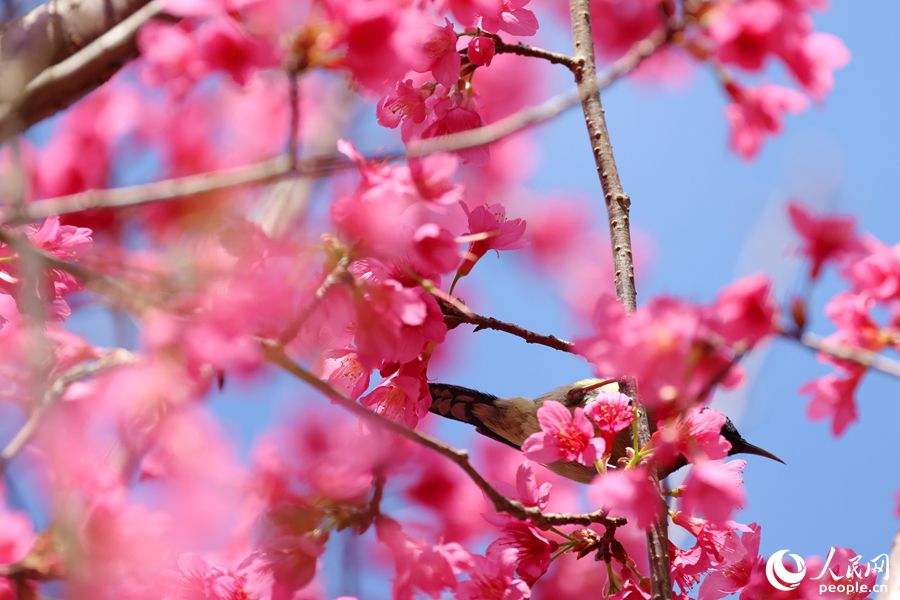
(55, 391)
(275, 354)
(861, 356)
(321, 165)
(454, 316)
(59, 52)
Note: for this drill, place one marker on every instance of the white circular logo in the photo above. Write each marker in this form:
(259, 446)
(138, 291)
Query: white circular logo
(781, 578)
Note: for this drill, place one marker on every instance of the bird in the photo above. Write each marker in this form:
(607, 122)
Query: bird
(511, 420)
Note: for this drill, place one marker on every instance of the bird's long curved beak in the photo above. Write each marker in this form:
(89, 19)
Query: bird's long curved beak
(743, 447)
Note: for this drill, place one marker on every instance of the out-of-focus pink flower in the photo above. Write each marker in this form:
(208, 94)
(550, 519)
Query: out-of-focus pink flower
(481, 50)
(742, 559)
(627, 492)
(666, 344)
(435, 248)
(287, 564)
(512, 17)
(453, 114)
(826, 238)
(420, 567)
(440, 55)
(563, 436)
(833, 396)
(489, 580)
(342, 370)
(170, 56)
(813, 59)
(878, 274)
(757, 113)
(611, 413)
(224, 44)
(695, 436)
(745, 33)
(714, 489)
(197, 579)
(502, 234)
(381, 42)
(745, 311)
(617, 25)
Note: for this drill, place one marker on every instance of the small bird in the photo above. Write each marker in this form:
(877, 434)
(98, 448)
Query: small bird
(512, 420)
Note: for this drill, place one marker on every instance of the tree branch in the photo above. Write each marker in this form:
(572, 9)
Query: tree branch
(55, 391)
(861, 356)
(60, 51)
(275, 354)
(322, 165)
(617, 205)
(501, 47)
(454, 316)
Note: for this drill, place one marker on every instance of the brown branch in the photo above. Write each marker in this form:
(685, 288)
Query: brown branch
(454, 316)
(55, 391)
(617, 206)
(60, 51)
(275, 354)
(860, 356)
(501, 47)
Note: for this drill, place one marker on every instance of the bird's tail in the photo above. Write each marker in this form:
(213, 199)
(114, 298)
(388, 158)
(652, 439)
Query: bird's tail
(465, 405)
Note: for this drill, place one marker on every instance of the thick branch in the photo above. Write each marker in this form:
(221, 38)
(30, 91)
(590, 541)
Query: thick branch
(31, 88)
(617, 205)
(276, 355)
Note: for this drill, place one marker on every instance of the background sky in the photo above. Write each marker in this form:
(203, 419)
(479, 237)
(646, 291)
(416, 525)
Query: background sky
(710, 218)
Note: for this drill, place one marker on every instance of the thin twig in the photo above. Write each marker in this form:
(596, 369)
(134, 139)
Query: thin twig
(861, 356)
(336, 275)
(453, 315)
(501, 47)
(275, 354)
(617, 206)
(55, 391)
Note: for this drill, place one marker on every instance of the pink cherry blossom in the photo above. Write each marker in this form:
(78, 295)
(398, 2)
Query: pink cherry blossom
(759, 112)
(502, 233)
(742, 559)
(746, 33)
(628, 493)
(481, 50)
(877, 274)
(224, 44)
(714, 490)
(342, 370)
(170, 56)
(405, 102)
(833, 396)
(745, 311)
(493, 579)
(826, 238)
(563, 436)
(513, 18)
(611, 412)
(695, 436)
(399, 398)
(440, 55)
